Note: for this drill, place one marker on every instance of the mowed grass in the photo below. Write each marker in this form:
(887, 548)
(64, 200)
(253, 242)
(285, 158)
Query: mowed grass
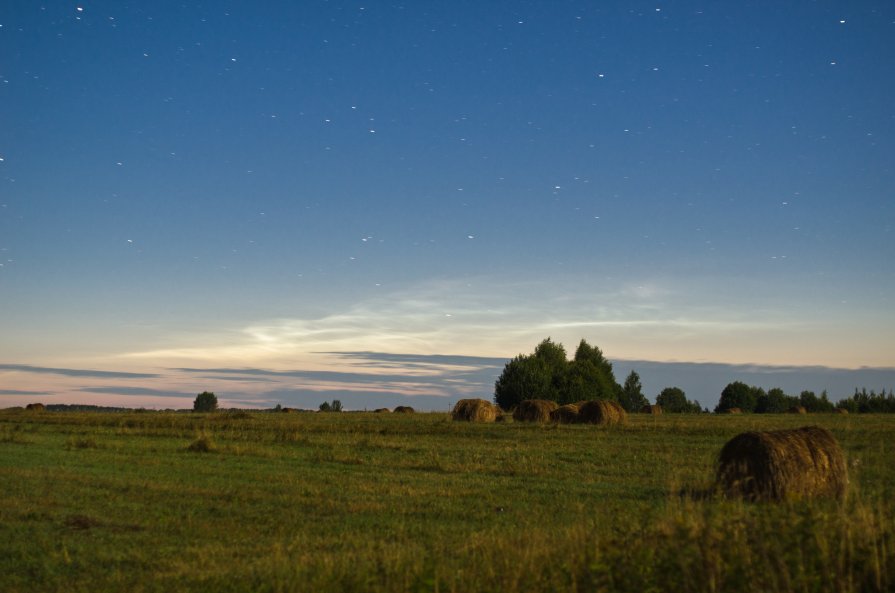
(381, 502)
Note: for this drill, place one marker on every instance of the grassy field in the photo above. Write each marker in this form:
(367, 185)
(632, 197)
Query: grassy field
(382, 502)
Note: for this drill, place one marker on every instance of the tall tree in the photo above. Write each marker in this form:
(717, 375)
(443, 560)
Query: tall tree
(631, 397)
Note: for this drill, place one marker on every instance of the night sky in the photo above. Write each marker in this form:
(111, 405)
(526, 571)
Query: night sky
(282, 201)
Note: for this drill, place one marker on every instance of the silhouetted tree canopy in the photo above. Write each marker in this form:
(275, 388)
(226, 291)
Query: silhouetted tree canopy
(673, 400)
(739, 395)
(205, 402)
(548, 374)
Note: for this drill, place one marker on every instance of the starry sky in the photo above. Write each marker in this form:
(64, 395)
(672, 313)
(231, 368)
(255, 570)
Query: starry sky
(282, 201)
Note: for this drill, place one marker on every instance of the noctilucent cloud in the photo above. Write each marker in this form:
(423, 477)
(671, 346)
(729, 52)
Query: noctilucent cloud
(385, 201)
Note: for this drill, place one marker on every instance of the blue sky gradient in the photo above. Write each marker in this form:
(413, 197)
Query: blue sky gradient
(262, 185)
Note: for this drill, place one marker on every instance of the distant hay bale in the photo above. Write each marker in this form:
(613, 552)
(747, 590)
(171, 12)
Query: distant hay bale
(404, 410)
(603, 412)
(474, 410)
(732, 411)
(287, 410)
(36, 407)
(534, 410)
(382, 411)
(797, 410)
(567, 414)
(842, 411)
(654, 409)
(782, 464)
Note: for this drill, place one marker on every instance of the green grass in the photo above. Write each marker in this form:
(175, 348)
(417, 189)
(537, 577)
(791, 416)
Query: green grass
(376, 502)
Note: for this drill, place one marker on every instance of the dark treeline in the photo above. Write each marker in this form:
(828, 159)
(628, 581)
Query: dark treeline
(749, 398)
(548, 374)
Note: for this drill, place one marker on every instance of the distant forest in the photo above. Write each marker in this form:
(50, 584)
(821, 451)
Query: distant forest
(548, 374)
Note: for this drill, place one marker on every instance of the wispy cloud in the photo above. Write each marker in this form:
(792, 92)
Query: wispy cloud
(24, 368)
(21, 392)
(127, 390)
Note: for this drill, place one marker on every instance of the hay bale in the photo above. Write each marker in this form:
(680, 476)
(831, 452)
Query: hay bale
(603, 412)
(404, 410)
(781, 464)
(534, 410)
(797, 410)
(732, 411)
(382, 411)
(37, 407)
(842, 411)
(287, 410)
(567, 414)
(474, 410)
(654, 409)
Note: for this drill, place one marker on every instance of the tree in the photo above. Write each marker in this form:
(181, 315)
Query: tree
(205, 402)
(812, 403)
(547, 374)
(631, 397)
(738, 395)
(335, 406)
(674, 400)
(524, 377)
(774, 402)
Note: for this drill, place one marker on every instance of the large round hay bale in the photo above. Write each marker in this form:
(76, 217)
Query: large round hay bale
(567, 414)
(474, 410)
(732, 411)
(534, 410)
(381, 411)
(36, 407)
(797, 410)
(782, 464)
(654, 409)
(842, 411)
(602, 411)
(404, 410)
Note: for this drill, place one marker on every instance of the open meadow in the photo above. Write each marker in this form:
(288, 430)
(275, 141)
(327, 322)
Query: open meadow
(254, 501)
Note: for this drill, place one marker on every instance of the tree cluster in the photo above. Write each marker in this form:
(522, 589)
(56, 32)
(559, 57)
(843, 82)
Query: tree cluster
(749, 398)
(336, 406)
(674, 400)
(548, 374)
(869, 403)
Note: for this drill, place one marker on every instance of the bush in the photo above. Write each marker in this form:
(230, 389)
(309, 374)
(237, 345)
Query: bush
(205, 402)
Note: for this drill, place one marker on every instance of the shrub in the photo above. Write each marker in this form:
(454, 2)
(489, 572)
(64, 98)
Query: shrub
(205, 402)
